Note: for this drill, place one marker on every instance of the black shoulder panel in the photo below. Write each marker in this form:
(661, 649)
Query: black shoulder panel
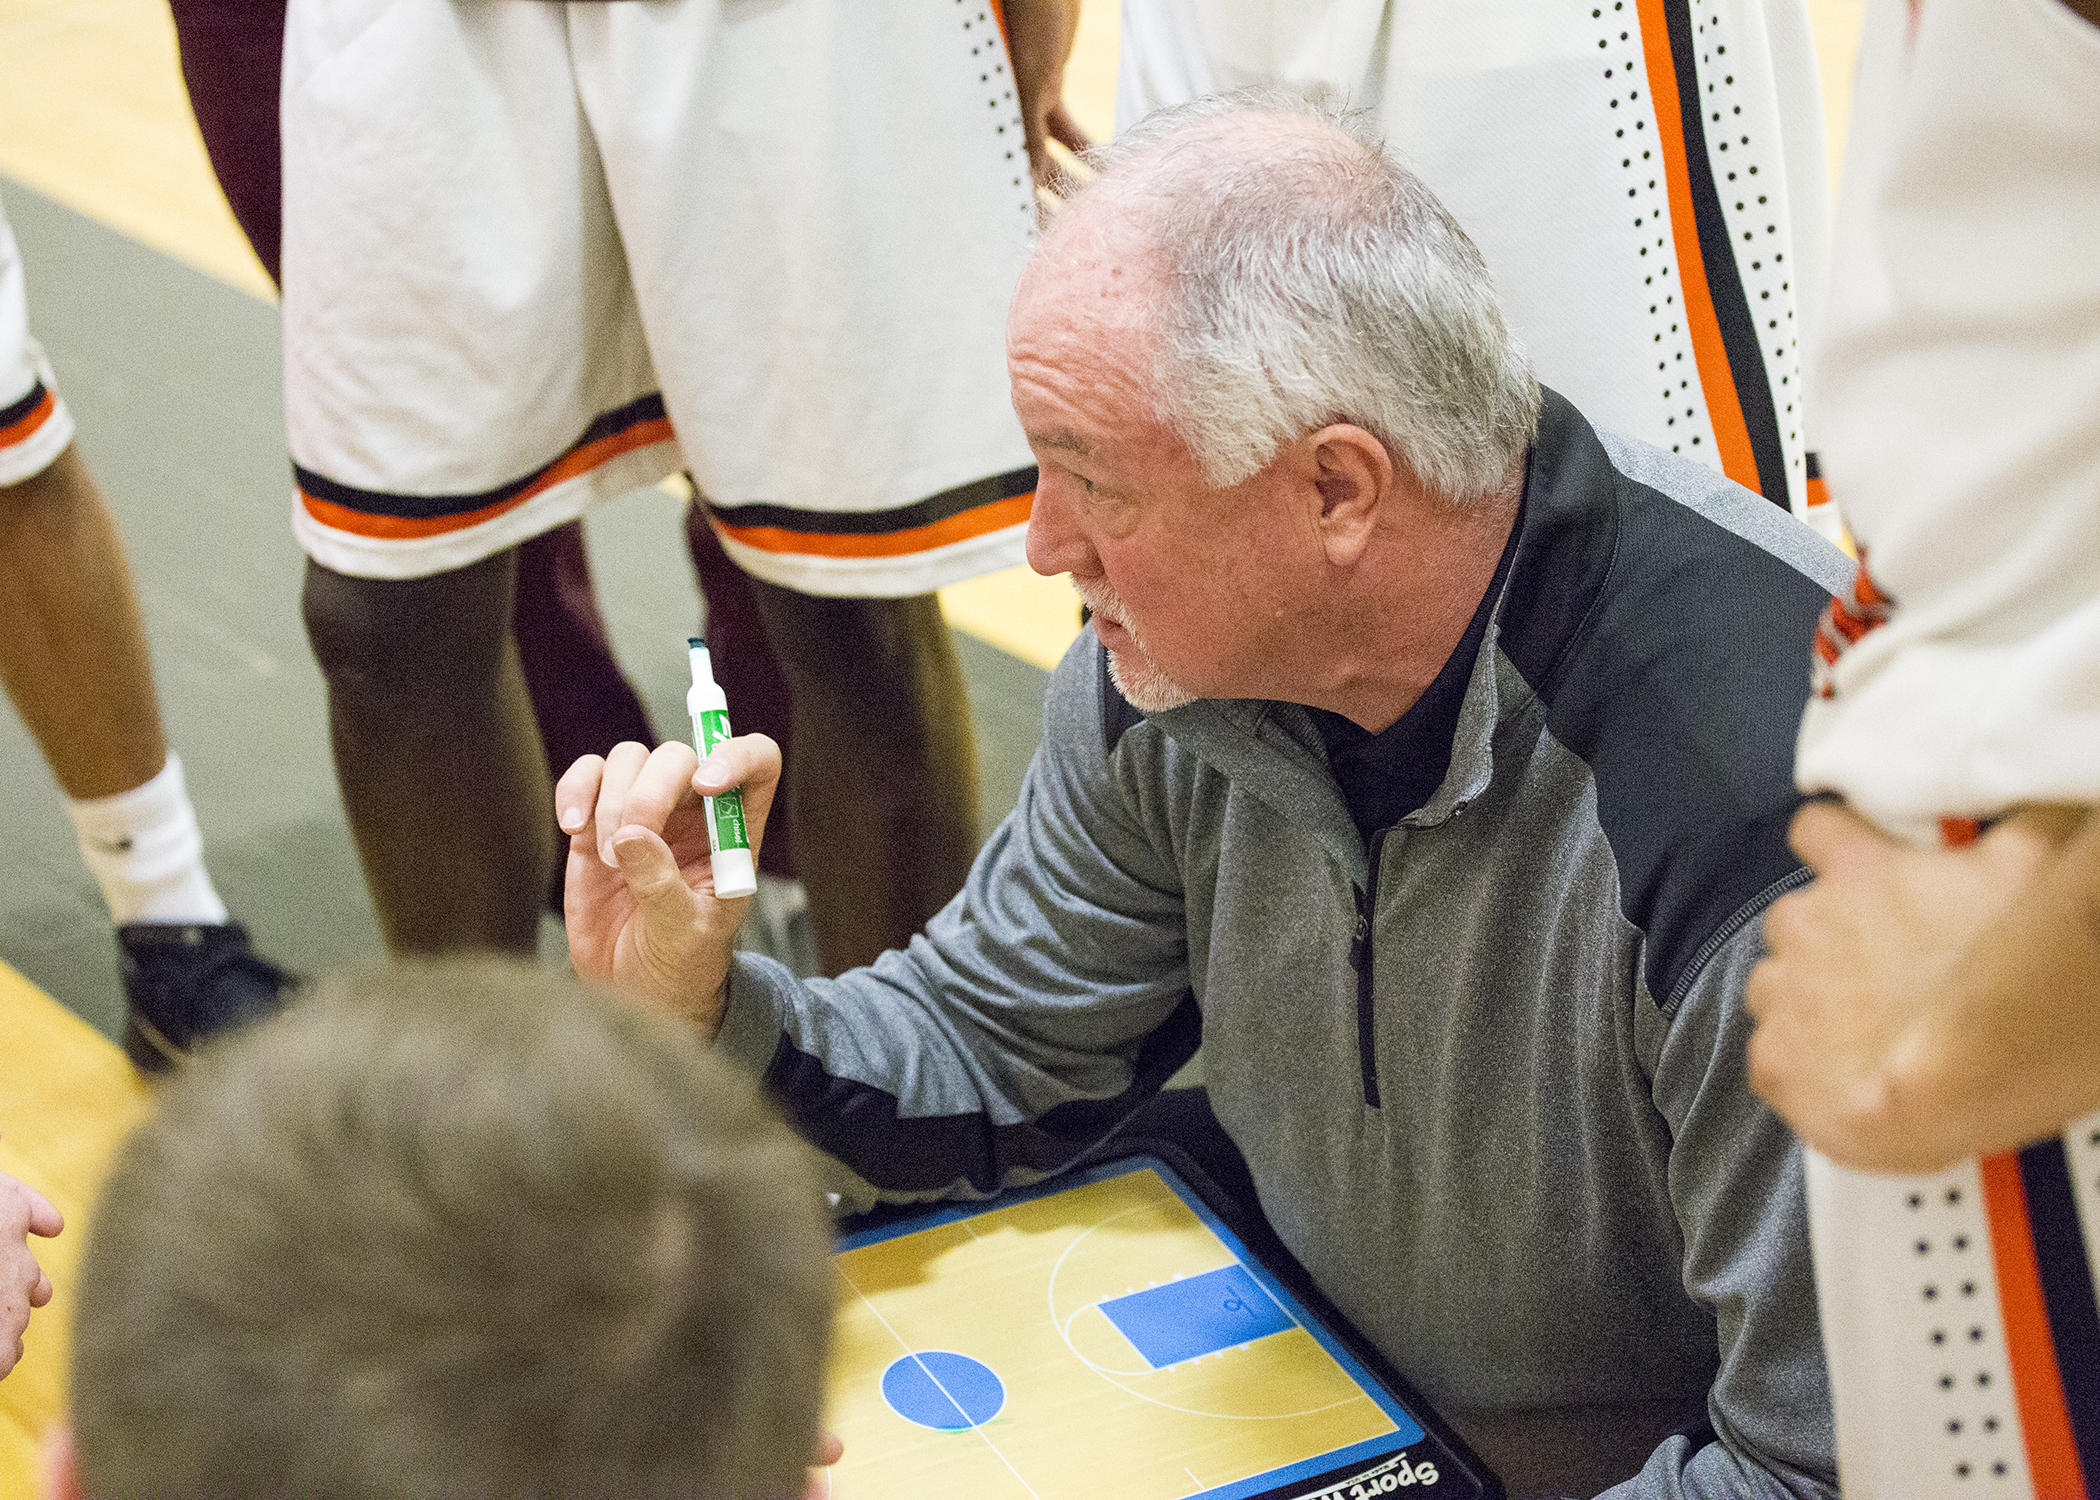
(863, 1126)
(1672, 656)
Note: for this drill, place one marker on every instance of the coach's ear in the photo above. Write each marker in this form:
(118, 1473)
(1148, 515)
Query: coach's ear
(1353, 476)
(61, 1472)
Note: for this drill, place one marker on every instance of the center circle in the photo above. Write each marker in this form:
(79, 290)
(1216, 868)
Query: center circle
(945, 1391)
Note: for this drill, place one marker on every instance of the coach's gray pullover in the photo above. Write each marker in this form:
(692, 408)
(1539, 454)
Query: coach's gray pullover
(1510, 1134)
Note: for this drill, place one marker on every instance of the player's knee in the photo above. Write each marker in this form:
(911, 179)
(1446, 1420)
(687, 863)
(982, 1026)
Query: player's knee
(440, 636)
(885, 658)
(55, 491)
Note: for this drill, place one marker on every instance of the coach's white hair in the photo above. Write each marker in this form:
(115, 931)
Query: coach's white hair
(1304, 277)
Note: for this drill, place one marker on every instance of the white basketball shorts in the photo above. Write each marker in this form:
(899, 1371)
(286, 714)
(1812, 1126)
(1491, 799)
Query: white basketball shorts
(34, 424)
(538, 254)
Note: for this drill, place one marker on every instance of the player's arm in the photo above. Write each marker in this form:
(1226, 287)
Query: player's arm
(1919, 1006)
(1047, 1001)
(1039, 36)
(1735, 1185)
(23, 1285)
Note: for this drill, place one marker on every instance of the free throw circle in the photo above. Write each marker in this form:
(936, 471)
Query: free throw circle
(945, 1391)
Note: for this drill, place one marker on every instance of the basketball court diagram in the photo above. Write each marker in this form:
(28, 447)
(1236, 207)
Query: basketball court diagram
(1099, 1339)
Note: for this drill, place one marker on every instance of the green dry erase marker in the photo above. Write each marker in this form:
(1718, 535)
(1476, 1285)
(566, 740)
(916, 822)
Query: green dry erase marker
(726, 834)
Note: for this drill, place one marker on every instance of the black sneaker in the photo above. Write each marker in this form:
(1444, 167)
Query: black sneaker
(188, 980)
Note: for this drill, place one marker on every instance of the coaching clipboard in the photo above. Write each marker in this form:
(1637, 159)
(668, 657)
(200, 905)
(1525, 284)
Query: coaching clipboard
(1108, 1334)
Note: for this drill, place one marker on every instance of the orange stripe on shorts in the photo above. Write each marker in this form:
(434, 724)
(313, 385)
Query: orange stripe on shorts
(571, 464)
(19, 430)
(981, 520)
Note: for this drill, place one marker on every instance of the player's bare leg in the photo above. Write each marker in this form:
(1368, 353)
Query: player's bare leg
(436, 753)
(73, 657)
(73, 648)
(582, 702)
(882, 788)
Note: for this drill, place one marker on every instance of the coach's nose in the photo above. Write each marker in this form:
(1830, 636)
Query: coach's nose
(1056, 542)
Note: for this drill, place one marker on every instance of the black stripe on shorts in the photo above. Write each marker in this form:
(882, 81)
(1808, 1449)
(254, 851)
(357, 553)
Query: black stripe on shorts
(9, 415)
(649, 408)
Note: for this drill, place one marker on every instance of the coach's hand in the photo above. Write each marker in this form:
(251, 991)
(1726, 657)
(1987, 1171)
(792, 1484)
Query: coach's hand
(639, 894)
(23, 1285)
(829, 1451)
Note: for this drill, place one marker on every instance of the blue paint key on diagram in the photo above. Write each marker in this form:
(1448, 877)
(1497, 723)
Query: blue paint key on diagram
(1195, 1316)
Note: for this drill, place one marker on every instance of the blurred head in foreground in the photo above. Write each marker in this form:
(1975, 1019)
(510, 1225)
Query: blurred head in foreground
(458, 1229)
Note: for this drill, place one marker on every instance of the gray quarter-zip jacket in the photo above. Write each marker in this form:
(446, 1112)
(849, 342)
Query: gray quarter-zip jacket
(1491, 1086)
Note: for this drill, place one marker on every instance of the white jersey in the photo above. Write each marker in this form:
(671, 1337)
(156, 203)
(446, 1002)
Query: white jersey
(1645, 178)
(1957, 397)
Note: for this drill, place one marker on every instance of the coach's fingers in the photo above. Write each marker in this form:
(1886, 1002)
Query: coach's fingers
(623, 763)
(44, 1218)
(640, 786)
(660, 786)
(1789, 922)
(747, 762)
(2016, 848)
(676, 946)
(576, 794)
(751, 764)
(651, 871)
(829, 1451)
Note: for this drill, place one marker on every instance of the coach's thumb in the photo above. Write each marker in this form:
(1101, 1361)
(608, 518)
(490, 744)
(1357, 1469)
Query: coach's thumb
(649, 868)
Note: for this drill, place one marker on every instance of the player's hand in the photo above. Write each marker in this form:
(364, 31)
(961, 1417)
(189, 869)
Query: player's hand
(1857, 1046)
(639, 895)
(23, 1285)
(829, 1450)
(1039, 36)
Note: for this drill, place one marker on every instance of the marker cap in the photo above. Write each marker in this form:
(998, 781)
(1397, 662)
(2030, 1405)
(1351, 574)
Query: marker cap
(735, 875)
